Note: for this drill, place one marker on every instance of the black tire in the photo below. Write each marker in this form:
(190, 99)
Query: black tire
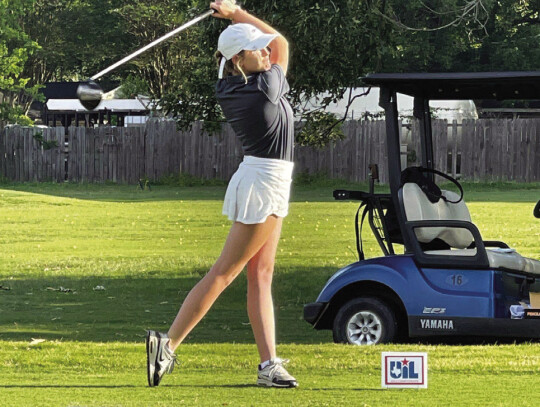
(375, 312)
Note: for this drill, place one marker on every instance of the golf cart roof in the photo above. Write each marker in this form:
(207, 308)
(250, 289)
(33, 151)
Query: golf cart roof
(461, 85)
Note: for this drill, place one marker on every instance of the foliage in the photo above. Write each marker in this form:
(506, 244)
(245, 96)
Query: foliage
(144, 22)
(318, 128)
(76, 38)
(59, 40)
(10, 114)
(47, 145)
(176, 72)
(333, 44)
(133, 86)
(360, 37)
(319, 63)
(503, 35)
(511, 38)
(15, 49)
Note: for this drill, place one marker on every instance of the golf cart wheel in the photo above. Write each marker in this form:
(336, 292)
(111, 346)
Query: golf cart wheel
(365, 321)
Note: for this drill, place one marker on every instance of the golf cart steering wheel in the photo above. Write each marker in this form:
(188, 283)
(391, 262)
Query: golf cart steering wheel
(432, 190)
(536, 211)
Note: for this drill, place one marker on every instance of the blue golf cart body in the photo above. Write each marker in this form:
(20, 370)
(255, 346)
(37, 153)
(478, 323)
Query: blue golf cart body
(480, 289)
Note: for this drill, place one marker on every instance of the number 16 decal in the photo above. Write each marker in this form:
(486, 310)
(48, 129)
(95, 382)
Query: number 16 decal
(456, 280)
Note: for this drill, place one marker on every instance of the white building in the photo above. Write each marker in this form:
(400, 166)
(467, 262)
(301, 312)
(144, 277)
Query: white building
(442, 109)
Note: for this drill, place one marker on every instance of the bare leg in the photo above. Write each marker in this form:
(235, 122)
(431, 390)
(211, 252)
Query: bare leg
(243, 242)
(260, 269)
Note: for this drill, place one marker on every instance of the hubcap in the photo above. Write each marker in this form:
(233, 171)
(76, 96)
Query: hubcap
(364, 328)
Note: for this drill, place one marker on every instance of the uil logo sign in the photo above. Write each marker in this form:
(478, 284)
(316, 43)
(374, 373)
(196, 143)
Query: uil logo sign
(404, 369)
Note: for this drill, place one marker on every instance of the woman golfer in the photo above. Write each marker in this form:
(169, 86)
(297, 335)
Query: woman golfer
(253, 59)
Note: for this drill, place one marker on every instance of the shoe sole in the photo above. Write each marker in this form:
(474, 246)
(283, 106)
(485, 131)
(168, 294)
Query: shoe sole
(268, 383)
(151, 354)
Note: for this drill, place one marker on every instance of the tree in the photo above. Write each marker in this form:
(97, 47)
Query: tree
(76, 38)
(145, 22)
(15, 49)
(333, 43)
(53, 40)
(457, 35)
(511, 40)
(178, 73)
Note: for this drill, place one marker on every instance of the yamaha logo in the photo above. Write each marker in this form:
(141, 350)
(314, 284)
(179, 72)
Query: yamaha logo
(444, 324)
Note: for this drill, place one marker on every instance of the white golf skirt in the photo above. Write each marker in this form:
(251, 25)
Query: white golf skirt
(259, 188)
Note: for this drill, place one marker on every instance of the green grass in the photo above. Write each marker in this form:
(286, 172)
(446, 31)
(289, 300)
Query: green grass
(148, 248)
(97, 374)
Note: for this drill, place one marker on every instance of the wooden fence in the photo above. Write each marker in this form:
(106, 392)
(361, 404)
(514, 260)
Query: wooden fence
(24, 158)
(487, 149)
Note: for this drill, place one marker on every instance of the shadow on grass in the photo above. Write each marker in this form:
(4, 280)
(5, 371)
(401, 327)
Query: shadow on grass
(126, 307)
(269, 388)
(300, 192)
(132, 193)
(66, 386)
(185, 386)
(119, 193)
(471, 340)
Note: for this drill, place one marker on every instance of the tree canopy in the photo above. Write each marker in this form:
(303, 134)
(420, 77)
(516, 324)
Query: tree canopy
(497, 35)
(333, 44)
(16, 47)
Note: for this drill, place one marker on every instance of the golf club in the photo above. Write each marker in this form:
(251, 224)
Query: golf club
(90, 93)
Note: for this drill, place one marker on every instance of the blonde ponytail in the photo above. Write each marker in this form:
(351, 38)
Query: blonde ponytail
(230, 68)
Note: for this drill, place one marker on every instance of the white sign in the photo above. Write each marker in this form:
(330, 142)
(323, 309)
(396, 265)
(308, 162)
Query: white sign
(404, 370)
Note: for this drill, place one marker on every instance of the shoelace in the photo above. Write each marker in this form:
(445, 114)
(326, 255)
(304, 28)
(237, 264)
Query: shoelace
(279, 361)
(174, 361)
(172, 358)
(278, 367)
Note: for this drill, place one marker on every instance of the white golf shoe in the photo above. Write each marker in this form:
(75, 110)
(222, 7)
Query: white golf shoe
(275, 375)
(159, 358)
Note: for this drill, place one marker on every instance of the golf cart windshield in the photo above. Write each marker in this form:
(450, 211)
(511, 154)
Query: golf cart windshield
(439, 86)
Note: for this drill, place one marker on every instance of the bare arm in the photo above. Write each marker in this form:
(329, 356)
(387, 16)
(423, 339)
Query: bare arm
(279, 46)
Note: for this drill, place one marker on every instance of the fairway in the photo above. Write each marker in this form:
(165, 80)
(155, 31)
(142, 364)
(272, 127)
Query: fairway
(87, 268)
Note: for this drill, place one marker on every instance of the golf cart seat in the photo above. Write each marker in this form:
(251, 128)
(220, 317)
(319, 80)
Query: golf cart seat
(460, 241)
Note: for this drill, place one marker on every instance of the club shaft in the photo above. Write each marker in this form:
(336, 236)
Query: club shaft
(152, 44)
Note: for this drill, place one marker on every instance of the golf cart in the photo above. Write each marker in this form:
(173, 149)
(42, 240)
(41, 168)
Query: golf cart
(449, 281)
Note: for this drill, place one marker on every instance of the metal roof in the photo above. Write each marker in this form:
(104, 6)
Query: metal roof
(60, 90)
(461, 85)
(113, 105)
(68, 90)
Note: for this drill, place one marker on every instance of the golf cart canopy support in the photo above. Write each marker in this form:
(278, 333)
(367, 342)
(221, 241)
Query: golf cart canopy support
(424, 87)
(455, 86)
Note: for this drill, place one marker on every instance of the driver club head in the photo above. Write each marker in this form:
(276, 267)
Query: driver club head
(89, 94)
